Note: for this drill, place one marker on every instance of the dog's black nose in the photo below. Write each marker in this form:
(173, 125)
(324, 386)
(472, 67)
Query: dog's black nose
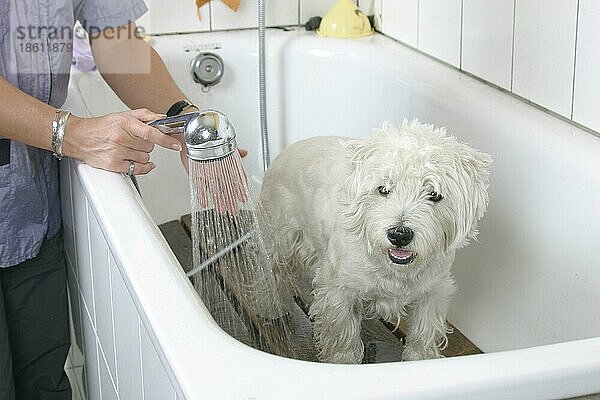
(400, 236)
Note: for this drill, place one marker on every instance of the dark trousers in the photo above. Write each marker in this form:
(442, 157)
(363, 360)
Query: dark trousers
(34, 327)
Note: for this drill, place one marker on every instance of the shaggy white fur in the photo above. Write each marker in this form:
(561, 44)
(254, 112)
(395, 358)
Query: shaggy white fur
(375, 224)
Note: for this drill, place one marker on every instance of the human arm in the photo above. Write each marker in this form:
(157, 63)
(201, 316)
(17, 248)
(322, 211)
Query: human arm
(133, 69)
(106, 142)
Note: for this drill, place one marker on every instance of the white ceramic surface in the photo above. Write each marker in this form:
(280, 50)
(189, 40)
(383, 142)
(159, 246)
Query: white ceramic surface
(367, 6)
(487, 40)
(401, 20)
(586, 106)
(528, 289)
(278, 13)
(544, 52)
(175, 16)
(440, 29)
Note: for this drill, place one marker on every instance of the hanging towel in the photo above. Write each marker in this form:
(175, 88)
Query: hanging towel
(233, 4)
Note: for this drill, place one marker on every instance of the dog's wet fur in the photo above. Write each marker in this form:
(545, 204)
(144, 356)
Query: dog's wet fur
(375, 224)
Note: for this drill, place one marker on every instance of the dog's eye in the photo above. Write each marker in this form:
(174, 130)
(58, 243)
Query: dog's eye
(434, 196)
(383, 191)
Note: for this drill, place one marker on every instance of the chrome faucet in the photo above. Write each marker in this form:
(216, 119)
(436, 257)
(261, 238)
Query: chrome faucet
(208, 134)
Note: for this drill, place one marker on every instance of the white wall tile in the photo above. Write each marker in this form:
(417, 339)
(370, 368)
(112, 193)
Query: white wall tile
(401, 20)
(367, 6)
(92, 373)
(106, 383)
(157, 385)
(278, 12)
(102, 298)
(586, 107)
(174, 16)
(313, 8)
(127, 340)
(82, 245)
(439, 29)
(544, 52)
(487, 40)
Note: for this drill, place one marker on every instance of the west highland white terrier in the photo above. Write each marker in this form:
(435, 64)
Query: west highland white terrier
(375, 225)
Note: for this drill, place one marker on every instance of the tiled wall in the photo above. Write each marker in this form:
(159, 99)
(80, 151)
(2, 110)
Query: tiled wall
(166, 16)
(546, 51)
(121, 362)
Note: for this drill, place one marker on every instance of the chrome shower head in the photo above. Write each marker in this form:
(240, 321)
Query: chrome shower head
(208, 134)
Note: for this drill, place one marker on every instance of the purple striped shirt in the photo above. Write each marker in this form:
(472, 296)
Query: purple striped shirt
(35, 56)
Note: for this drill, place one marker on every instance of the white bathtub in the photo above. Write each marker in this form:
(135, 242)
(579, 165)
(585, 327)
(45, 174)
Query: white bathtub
(529, 289)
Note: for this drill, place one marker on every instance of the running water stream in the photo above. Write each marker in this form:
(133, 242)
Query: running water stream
(232, 271)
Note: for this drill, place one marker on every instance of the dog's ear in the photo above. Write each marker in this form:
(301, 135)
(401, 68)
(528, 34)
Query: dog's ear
(355, 189)
(473, 180)
(470, 181)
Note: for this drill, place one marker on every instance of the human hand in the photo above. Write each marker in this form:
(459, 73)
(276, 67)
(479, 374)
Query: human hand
(111, 141)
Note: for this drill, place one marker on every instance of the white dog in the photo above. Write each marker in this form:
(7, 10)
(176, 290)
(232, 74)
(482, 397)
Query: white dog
(375, 223)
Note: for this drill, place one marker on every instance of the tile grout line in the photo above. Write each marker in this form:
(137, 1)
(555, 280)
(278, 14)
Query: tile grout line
(88, 211)
(89, 246)
(81, 316)
(112, 318)
(575, 60)
(100, 349)
(418, 22)
(139, 319)
(210, 16)
(103, 359)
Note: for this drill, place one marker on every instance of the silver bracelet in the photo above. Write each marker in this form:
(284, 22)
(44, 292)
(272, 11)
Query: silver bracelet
(57, 115)
(58, 133)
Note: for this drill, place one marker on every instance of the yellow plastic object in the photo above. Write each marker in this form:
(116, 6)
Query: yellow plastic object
(345, 20)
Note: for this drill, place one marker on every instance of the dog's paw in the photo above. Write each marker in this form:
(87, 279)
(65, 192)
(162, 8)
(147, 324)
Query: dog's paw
(342, 357)
(411, 355)
(414, 354)
(347, 354)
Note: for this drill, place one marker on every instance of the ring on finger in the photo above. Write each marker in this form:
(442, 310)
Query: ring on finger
(131, 171)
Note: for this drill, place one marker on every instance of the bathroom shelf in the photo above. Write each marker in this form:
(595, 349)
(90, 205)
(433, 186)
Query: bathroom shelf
(382, 342)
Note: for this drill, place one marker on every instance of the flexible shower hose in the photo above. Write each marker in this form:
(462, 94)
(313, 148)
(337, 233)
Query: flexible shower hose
(263, 84)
